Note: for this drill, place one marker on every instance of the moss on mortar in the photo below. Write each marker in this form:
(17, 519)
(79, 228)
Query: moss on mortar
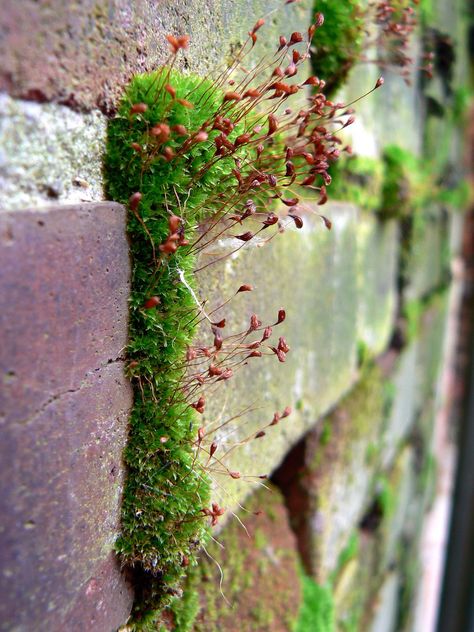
(358, 179)
(317, 609)
(162, 523)
(339, 41)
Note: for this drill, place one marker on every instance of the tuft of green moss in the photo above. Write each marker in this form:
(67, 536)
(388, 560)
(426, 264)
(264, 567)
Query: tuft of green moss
(386, 497)
(413, 311)
(359, 180)
(348, 553)
(405, 186)
(165, 489)
(317, 610)
(338, 42)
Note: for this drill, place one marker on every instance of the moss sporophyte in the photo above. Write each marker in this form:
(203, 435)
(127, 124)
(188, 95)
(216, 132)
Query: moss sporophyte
(194, 159)
(360, 31)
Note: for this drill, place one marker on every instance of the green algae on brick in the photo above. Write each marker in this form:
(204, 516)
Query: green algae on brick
(317, 610)
(320, 328)
(260, 583)
(358, 179)
(378, 258)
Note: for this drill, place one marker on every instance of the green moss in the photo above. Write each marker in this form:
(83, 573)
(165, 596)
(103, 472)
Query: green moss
(359, 180)
(317, 610)
(427, 11)
(338, 42)
(363, 353)
(259, 583)
(407, 183)
(326, 432)
(348, 553)
(165, 490)
(400, 185)
(462, 99)
(371, 454)
(457, 197)
(412, 312)
(428, 475)
(261, 540)
(386, 497)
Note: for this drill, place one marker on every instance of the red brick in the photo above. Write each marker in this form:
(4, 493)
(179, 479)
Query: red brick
(64, 408)
(83, 52)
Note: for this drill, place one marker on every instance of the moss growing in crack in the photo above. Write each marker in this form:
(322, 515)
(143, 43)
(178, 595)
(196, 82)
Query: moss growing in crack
(339, 42)
(162, 524)
(348, 553)
(386, 497)
(359, 180)
(317, 610)
(405, 187)
(412, 312)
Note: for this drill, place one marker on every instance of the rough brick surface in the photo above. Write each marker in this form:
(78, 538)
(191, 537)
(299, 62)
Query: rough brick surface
(334, 475)
(312, 273)
(49, 154)
(377, 246)
(392, 115)
(403, 395)
(261, 583)
(426, 261)
(386, 604)
(63, 408)
(82, 53)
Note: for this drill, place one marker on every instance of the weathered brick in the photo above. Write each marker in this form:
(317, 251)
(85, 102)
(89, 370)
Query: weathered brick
(334, 476)
(392, 115)
(386, 605)
(377, 245)
(355, 584)
(260, 585)
(401, 390)
(399, 493)
(413, 383)
(425, 263)
(83, 53)
(431, 346)
(64, 407)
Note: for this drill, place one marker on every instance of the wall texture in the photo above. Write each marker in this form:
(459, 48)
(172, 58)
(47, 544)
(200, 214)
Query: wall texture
(353, 464)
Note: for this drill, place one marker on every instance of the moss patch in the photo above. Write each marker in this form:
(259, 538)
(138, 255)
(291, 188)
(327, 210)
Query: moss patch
(260, 582)
(339, 41)
(317, 609)
(359, 180)
(165, 491)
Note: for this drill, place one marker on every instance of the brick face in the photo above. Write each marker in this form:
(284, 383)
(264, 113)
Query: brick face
(64, 406)
(82, 53)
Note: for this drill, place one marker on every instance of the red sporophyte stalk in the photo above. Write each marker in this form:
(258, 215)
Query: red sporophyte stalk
(395, 23)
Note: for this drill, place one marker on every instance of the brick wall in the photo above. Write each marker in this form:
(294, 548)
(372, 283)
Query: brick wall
(352, 463)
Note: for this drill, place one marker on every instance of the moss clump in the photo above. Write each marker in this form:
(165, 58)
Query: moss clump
(412, 312)
(317, 610)
(359, 180)
(400, 185)
(339, 41)
(405, 186)
(162, 522)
